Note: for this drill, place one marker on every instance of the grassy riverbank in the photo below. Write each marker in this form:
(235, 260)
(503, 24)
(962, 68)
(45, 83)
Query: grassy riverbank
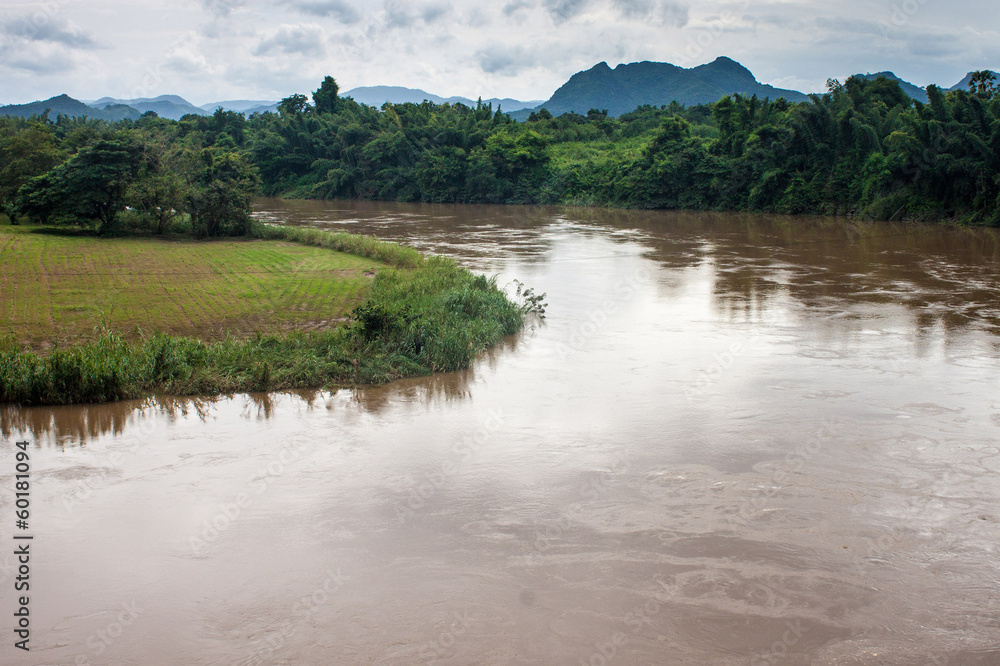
(415, 316)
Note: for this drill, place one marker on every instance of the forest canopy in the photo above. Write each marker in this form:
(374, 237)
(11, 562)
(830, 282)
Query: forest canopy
(864, 148)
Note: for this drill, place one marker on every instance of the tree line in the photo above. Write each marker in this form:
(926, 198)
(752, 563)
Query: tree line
(864, 148)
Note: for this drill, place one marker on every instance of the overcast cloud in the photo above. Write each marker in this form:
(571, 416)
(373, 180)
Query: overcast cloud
(210, 50)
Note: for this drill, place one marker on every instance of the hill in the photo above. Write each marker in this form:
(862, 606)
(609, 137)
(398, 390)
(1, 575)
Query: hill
(64, 105)
(626, 87)
(378, 95)
(914, 91)
(244, 106)
(165, 106)
(964, 83)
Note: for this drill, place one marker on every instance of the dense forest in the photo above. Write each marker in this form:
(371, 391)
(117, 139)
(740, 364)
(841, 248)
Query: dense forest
(864, 149)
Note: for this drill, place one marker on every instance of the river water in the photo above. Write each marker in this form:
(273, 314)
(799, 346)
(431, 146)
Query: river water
(732, 440)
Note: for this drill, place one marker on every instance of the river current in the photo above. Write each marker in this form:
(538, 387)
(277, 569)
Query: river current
(732, 440)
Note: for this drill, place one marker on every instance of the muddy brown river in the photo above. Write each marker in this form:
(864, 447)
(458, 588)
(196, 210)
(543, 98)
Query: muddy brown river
(733, 440)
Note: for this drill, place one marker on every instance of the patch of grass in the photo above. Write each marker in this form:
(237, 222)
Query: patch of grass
(601, 152)
(361, 246)
(55, 289)
(435, 316)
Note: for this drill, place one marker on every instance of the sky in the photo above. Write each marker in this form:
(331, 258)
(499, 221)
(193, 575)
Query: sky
(215, 50)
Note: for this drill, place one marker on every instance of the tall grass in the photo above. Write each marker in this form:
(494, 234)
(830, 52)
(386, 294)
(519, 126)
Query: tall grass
(436, 316)
(361, 246)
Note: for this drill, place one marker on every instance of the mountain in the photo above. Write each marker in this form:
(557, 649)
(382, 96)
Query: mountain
(245, 106)
(915, 92)
(165, 106)
(378, 95)
(64, 105)
(964, 83)
(625, 87)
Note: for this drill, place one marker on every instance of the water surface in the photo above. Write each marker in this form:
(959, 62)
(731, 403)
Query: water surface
(733, 440)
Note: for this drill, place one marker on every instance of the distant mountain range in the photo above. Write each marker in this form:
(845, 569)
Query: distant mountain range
(110, 109)
(246, 106)
(378, 95)
(67, 106)
(618, 90)
(165, 106)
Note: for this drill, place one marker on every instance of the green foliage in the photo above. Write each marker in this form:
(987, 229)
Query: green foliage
(435, 317)
(224, 186)
(860, 149)
(325, 98)
(88, 187)
(361, 246)
(28, 148)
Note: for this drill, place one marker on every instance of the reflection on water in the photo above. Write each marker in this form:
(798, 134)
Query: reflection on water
(945, 275)
(735, 439)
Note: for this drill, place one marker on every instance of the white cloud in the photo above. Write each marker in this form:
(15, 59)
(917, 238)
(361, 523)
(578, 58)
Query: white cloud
(305, 38)
(212, 49)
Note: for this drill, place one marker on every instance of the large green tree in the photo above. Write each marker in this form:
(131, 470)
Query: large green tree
(89, 187)
(27, 150)
(325, 98)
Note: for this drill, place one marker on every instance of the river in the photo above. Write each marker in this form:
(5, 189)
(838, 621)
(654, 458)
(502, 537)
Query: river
(732, 440)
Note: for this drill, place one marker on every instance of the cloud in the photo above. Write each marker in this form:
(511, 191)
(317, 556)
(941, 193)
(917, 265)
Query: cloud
(433, 13)
(339, 10)
(658, 12)
(44, 28)
(933, 46)
(306, 38)
(515, 6)
(564, 10)
(39, 59)
(506, 59)
(222, 8)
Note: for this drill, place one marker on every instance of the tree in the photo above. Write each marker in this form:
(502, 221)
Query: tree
(982, 83)
(159, 195)
(222, 189)
(90, 186)
(25, 152)
(325, 98)
(293, 105)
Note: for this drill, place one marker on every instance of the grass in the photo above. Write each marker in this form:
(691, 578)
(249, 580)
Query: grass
(601, 152)
(56, 288)
(427, 315)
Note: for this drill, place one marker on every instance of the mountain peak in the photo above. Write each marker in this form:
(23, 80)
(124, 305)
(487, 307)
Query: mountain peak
(628, 86)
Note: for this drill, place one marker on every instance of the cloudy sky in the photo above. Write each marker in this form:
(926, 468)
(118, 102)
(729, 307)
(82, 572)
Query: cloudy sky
(212, 50)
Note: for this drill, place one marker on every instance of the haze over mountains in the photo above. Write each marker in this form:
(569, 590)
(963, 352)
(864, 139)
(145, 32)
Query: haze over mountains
(378, 95)
(619, 90)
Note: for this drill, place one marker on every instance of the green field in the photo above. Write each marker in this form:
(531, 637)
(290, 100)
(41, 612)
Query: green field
(99, 320)
(58, 289)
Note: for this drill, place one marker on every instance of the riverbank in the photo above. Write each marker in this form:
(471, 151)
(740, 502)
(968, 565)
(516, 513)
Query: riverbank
(351, 310)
